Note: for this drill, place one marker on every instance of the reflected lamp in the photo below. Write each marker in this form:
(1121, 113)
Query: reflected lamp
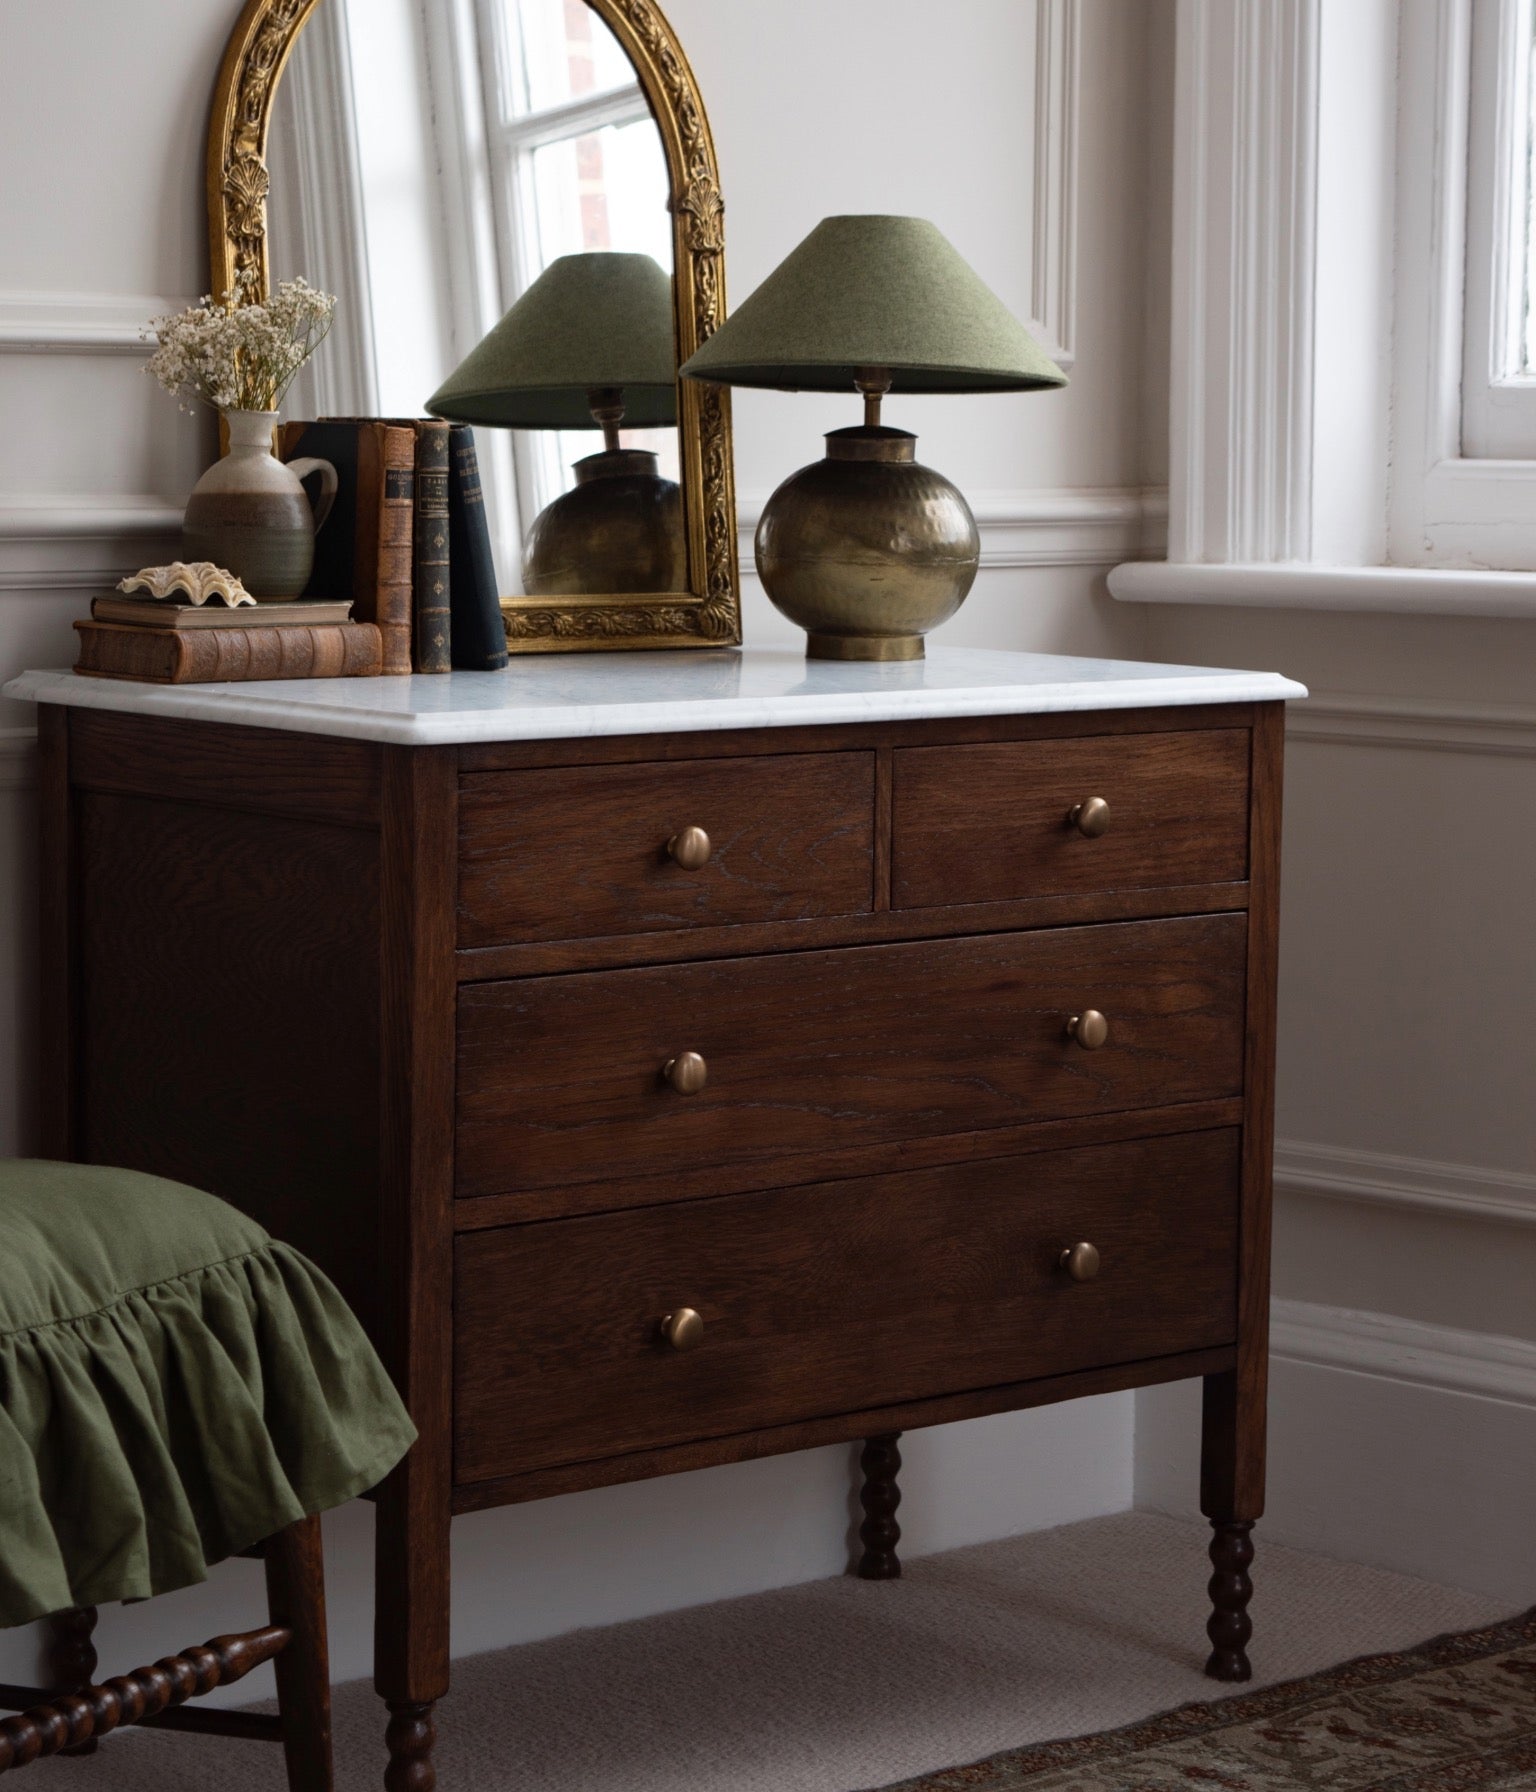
(589, 345)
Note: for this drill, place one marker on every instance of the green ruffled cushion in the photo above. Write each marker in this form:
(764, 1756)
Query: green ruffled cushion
(175, 1385)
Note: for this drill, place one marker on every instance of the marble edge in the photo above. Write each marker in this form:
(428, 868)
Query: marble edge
(238, 706)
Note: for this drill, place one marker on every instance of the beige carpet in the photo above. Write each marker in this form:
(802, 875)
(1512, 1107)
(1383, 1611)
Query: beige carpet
(842, 1683)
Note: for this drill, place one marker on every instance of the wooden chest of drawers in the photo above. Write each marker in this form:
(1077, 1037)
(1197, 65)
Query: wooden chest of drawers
(665, 1100)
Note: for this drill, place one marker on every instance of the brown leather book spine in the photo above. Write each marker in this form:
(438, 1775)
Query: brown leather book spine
(386, 486)
(231, 655)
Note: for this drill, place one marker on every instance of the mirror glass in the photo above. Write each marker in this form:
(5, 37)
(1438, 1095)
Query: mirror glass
(428, 166)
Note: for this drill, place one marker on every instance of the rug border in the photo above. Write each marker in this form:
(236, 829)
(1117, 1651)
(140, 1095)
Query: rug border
(1206, 1717)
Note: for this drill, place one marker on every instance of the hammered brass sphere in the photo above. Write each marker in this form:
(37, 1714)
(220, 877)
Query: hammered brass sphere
(619, 530)
(867, 550)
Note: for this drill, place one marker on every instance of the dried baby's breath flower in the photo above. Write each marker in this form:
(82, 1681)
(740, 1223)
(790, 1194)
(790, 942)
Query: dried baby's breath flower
(240, 354)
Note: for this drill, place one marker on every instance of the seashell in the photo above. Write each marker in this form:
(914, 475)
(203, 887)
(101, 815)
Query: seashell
(196, 580)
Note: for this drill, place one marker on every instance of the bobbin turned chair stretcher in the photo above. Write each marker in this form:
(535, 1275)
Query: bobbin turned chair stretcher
(71, 1717)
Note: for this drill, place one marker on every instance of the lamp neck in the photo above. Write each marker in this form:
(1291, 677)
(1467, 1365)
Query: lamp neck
(606, 404)
(878, 443)
(874, 383)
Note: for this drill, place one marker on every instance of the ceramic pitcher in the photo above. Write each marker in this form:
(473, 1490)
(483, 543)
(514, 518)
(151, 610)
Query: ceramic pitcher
(249, 513)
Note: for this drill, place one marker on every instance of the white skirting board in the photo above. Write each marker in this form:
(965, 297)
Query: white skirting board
(1402, 1445)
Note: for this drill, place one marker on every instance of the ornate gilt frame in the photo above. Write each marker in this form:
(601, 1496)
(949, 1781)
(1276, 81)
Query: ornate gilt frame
(709, 613)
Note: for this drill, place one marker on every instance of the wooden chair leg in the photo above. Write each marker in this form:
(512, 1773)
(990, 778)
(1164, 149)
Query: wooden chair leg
(72, 1659)
(296, 1600)
(880, 1496)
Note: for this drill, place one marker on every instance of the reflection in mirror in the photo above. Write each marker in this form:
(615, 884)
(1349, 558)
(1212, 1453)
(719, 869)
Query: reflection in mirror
(588, 346)
(429, 166)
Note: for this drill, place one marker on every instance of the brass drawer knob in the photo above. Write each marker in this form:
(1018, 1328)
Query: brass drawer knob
(685, 1328)
(690, 848)
(687, 1073)
(1090, 818)
(1080, 1261)
(1089, 1029)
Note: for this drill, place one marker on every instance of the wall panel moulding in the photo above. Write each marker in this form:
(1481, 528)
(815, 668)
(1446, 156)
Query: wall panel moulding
(79, 323)
(1504, 730)
(1408, 1184)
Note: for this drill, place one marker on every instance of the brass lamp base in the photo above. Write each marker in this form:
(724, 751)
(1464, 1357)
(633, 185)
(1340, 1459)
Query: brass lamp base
(867, 550)
(620, 530)
(864, 647)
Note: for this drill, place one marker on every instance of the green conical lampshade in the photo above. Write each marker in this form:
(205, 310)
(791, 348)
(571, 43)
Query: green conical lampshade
(588, 322)
(864, 292)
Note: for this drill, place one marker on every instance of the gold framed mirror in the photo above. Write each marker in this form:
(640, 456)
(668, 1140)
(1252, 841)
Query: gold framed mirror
(241, 181)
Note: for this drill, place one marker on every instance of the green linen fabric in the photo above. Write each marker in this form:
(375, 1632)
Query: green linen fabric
(175, 1385)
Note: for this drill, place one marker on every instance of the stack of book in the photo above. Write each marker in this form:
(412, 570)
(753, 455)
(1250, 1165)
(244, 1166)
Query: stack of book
(407, 537)
(166, 642)
(403, 579)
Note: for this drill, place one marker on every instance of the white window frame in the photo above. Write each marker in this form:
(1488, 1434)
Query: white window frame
(1498, 393)
(1450, 509)
(1319, 263)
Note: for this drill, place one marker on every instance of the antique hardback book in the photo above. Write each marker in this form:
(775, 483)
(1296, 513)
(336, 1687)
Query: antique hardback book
(156, 612)
(229, 655)
(364, 549)
(479, 637)
(433, 648)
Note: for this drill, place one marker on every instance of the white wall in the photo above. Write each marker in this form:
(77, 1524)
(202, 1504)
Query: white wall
(1403, 1411)
(1403, 1394)
(95, 463)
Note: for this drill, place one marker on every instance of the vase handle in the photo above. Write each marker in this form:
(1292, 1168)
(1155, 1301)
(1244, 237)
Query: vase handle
(301, 469)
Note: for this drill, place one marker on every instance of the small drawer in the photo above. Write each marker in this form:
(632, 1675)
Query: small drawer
(585, 1076)
(835, 1298)
(575, 852)
(1004, 820)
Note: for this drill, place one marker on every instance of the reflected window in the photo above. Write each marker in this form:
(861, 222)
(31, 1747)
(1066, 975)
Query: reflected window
(1523, 252)
(576, 164)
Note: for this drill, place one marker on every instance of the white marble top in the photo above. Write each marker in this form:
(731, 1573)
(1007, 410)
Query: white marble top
(546, 697)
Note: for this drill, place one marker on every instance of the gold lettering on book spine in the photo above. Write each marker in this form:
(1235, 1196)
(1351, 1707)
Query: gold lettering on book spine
(708, 614)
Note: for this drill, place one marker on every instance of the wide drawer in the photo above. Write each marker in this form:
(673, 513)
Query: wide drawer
(573, 852)
(993, 822)
(562, 1079)
(838, 1297)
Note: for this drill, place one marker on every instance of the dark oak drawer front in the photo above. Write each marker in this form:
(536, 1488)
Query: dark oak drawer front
(573, 853)
(990, 823)
(837, 1297)
(560, 1079)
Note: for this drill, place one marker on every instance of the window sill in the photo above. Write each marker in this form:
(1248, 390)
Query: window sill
(1401, 590)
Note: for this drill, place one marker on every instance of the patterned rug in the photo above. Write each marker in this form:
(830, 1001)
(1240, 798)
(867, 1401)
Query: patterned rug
(1453, 1715)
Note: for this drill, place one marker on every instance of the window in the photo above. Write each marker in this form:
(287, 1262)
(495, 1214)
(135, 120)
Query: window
(576, 164)
(1463, 465)
(1352, 309)
(1499, 345)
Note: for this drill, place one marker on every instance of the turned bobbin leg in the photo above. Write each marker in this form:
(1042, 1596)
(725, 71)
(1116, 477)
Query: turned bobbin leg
(1229, 1627)
(1232, 1497)
(410, 1737)
(880, 1463)
(1233, 1415)
(72, 1659)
